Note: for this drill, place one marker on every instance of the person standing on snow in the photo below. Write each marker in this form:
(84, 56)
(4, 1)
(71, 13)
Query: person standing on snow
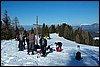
(31, 42)
(23, 36)
(27, 40)
(43, 44)
(17, 36)
(20, 42)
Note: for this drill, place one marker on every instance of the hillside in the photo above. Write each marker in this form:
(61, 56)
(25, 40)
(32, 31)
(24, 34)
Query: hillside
(10, 56)
(92, 28)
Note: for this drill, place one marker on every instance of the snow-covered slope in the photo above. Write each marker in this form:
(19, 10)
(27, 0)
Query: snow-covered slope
(10, 56)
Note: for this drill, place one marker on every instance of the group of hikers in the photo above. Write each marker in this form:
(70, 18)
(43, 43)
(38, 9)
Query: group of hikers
(30, 39)
(31, 46)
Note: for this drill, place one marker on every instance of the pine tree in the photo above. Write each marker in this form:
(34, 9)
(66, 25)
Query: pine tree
(60, 31)
(52, 29)
(2, 31)
(43, 29)
(84, 36)
(77, 38)
(21, 28)
(39, 30)
(90, 39)
(12, 33)
(57, 29)
(47, 31)
(66, 32)
(6, 19)
(15, 23)
(6, 30)
(32, 30)
(62, 27)
(70, 32)
(78, 34)
(96, 42)
(73, 36)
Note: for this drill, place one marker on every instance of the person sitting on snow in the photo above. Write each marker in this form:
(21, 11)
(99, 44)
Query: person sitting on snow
(78, 54)
(58, 46)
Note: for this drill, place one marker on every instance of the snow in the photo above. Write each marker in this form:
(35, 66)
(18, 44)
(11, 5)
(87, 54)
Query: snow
(96, 38)
(10, 56)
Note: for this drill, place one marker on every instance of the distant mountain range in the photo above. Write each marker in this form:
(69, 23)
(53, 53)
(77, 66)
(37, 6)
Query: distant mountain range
(28, 27)
(92, 28)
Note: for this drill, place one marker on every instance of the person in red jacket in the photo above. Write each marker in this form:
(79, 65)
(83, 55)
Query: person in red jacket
(58, 46)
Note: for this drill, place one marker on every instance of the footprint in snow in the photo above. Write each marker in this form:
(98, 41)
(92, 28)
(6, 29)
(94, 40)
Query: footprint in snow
(7, 61)
(19, 59)
(11, 57)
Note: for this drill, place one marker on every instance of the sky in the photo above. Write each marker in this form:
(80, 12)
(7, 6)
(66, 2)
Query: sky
(52, 12)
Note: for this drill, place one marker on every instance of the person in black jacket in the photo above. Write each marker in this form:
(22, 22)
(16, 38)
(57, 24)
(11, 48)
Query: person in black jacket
(27, 40)
(23, 36)
(43, 44)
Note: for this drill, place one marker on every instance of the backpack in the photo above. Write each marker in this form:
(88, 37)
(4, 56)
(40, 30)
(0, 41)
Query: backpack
(43, 42)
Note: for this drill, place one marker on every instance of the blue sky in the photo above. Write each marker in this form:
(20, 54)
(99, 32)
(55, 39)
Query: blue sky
(52, 12)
